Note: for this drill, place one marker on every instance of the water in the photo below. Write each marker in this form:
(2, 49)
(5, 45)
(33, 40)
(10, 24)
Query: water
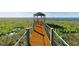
(61, 19)
(64, 19)
(53, 18)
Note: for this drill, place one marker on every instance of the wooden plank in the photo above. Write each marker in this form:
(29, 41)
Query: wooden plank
(39, 36)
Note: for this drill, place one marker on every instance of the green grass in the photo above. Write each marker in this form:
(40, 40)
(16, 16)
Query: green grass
(9, 25)
(68, 30)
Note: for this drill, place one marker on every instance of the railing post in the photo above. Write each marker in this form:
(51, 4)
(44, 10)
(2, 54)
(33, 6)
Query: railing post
(51, 35)
(28, 37)
(19, 44)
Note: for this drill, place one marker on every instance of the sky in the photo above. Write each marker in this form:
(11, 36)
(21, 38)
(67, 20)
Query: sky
(30, 14)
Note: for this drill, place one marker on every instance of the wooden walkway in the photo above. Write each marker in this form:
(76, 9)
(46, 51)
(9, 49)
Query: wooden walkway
(39, 36)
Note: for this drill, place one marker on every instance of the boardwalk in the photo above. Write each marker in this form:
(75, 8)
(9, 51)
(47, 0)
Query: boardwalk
(39, 36)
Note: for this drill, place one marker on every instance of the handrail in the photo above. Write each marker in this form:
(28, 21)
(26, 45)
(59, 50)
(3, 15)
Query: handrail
(49, 32)
(19, 39)
(61, 39)
(48, 26)
(52, 34)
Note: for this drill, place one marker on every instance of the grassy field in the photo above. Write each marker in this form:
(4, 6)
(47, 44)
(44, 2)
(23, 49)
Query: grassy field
(12, 25)
(68, 30)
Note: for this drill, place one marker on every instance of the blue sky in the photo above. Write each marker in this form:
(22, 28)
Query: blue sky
(30, 14)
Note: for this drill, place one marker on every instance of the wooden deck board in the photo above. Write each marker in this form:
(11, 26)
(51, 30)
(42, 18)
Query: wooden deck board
(39, 36)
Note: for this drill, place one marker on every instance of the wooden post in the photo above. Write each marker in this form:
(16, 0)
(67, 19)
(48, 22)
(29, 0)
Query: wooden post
(51, 35)
(28, 37)
(44, 19)
(41, 19)
(34, 19)
(19, 44)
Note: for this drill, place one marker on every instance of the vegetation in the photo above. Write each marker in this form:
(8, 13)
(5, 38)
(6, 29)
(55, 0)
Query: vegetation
(15, 26)
(68, 30)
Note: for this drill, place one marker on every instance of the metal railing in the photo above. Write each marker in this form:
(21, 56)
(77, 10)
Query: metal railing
(24, 39)
(58, 40)
(49, 32)
(54, 37)
(19, 42)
